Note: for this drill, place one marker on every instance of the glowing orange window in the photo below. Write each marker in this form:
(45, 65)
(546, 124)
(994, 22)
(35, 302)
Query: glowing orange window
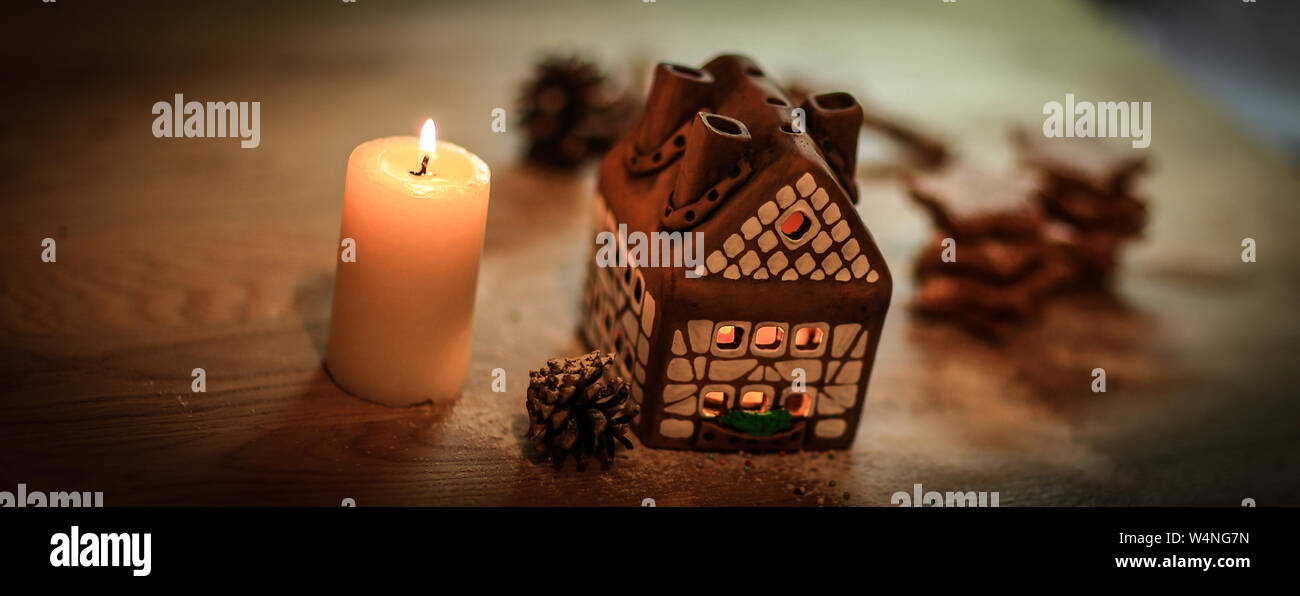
(768, 337)
(808, 338)
(729, 337)
(796, 225)
(798, 404)
(714, 403)
(754, 401)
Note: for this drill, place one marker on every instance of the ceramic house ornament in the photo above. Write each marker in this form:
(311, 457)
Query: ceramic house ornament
(768, 342)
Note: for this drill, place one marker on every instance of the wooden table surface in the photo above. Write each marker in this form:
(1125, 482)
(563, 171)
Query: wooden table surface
(176, 254)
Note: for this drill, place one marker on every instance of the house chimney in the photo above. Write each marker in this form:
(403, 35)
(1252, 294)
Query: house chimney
(715, 145)
(676, 93)
(834, 120)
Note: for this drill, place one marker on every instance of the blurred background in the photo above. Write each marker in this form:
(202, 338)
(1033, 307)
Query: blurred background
(1243, 56)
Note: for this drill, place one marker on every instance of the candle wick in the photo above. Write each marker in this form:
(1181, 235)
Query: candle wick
(424, 166)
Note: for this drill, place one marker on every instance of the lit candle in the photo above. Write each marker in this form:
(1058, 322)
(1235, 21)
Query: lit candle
(413, 215)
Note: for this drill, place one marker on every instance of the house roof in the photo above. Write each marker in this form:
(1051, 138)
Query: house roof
(719, 152)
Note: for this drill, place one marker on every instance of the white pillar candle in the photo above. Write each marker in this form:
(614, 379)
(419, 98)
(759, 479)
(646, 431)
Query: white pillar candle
(400, 322)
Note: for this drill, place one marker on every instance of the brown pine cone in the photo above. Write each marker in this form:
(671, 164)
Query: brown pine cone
(571, 112)
(579, 406)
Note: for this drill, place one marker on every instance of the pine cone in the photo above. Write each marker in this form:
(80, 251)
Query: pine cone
(571, 112)
(578, 406)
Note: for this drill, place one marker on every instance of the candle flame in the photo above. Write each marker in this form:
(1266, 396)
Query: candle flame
(428, 138)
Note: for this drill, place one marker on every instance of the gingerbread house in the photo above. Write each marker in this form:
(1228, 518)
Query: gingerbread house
(767, 343)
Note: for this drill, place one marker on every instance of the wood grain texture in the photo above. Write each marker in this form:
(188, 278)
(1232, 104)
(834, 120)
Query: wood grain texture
(176, 254)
